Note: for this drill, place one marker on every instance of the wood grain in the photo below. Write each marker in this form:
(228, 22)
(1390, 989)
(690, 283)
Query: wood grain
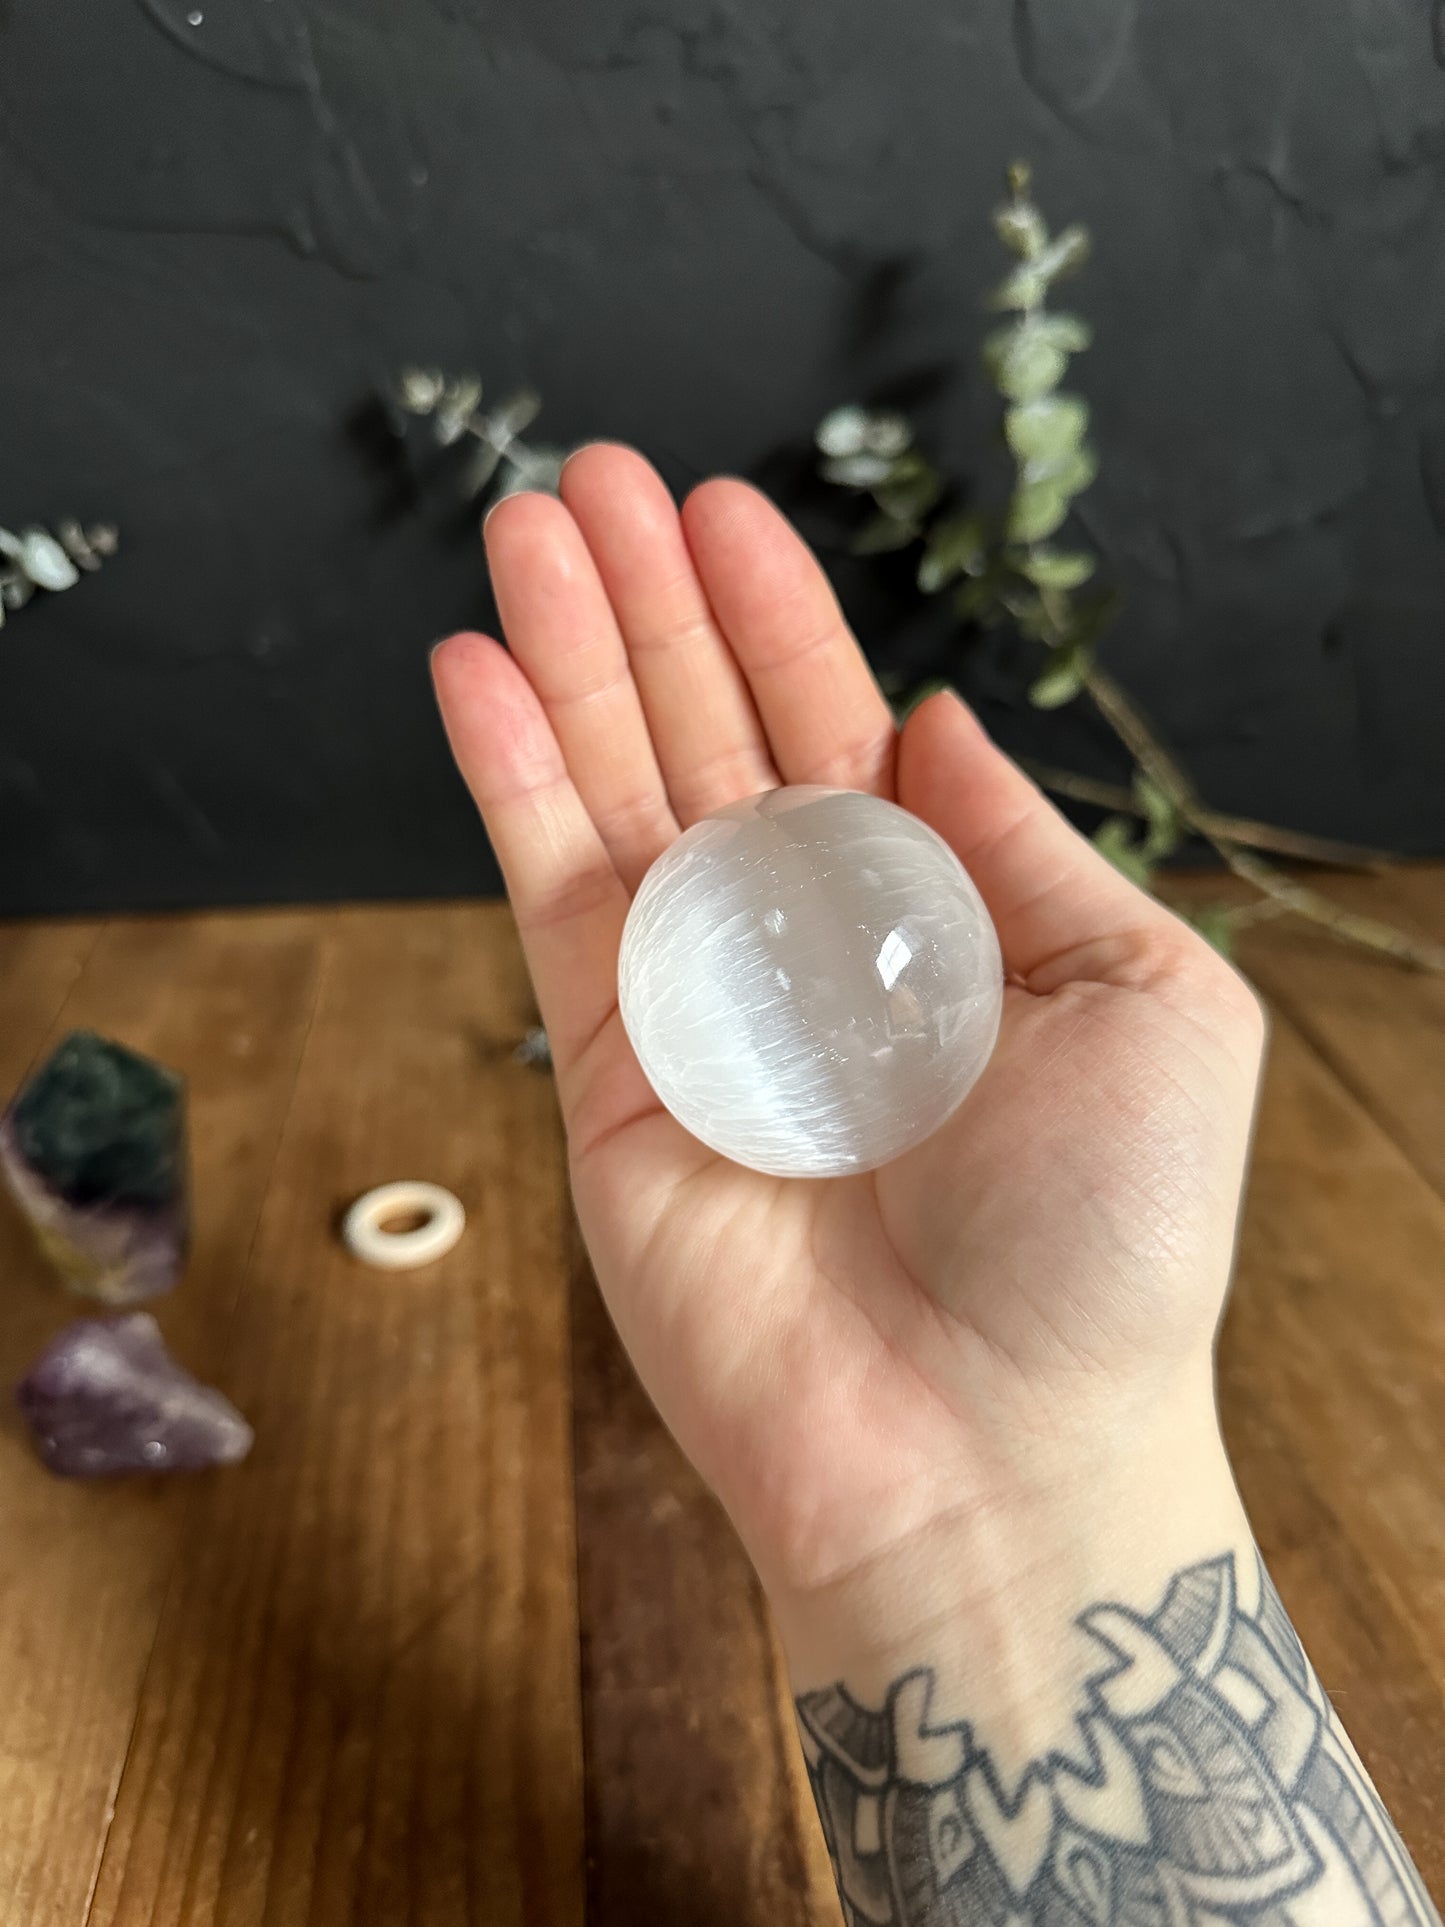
(697, 1805)
(351, 1681)
(84, 1571)
(1333, 1394)
(1380, 1028)
(39, 966)
(362, 1704)
(1333, 1355)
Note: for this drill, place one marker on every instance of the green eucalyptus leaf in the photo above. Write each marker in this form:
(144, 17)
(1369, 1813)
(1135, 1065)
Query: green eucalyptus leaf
(1114, 839)
(1021, 290)
(520, 409)
(887, 433)
(1024, 364)
(843, 431)
(45, 561)
(532, 465)
(857, 471)
(1047, 432)
(1064, 255)
(912, 488)
(1215, 923)
(1069, 333)
(1092, 612)
(420, 389)
(881, 534)
(852, 431)
(1029, 283)
(1063, 569)
(1037, 509)
(1060, 682)
(1020, 226)
(979, 601)
(956, 546)
(1031, 613)
(1075, 472)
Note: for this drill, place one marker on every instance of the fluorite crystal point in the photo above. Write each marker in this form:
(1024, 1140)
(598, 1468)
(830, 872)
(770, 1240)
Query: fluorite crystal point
(810, 981)
(94, 1149)
(107, 1397)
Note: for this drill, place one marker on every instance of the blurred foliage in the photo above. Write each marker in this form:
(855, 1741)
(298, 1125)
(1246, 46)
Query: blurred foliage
(36, 559)
(500, 462)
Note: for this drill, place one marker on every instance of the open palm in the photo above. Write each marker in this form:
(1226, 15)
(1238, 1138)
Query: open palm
(845, 1360)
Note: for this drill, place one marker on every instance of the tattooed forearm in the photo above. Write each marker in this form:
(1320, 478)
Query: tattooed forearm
(1209, 1785)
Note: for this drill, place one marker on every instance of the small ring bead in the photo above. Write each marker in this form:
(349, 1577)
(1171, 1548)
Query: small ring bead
(364, 1237)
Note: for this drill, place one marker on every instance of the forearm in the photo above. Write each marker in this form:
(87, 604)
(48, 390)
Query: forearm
(1112, 1722)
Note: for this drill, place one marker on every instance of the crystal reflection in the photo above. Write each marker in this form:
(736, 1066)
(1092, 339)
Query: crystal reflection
(893, 958)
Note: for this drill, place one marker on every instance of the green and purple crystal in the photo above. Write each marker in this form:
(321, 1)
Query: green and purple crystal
(93, 1148)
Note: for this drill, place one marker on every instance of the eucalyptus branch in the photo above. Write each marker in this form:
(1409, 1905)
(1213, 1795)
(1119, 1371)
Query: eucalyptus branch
(1420, 953)
(1298, 844)
(36, 559)
(1124, 717)
(501, 462)
(1005, 568)
(1347, 926)
(1143, 745)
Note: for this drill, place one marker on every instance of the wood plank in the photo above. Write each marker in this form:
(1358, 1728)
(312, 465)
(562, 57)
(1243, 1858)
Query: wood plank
(40, 964)
(1332, 1367)
(362, 1704)
(225, 1000)
(1380, 1028)
(698, 1808)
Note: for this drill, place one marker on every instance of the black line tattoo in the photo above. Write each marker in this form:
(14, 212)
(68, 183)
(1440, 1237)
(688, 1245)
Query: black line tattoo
(1211, 1787)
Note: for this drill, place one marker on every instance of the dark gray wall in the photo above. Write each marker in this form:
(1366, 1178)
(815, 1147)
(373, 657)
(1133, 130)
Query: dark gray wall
(695, 225)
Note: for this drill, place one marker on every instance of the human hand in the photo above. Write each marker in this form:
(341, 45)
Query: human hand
(949, 1365)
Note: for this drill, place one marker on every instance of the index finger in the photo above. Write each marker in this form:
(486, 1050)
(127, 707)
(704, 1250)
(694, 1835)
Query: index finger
(568, 899)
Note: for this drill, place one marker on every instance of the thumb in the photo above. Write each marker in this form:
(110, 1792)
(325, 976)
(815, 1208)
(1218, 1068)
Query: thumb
(1061, 909)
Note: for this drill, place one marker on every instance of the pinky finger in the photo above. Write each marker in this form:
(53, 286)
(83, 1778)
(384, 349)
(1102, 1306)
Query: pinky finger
(567, 898)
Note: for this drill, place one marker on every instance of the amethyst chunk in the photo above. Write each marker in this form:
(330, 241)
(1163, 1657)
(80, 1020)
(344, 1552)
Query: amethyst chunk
(94, 1149)
(106, 1396)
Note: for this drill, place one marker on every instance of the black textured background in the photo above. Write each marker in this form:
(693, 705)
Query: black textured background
(695, 225)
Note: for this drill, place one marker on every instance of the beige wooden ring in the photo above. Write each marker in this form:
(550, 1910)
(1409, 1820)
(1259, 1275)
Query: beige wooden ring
(362, 1232)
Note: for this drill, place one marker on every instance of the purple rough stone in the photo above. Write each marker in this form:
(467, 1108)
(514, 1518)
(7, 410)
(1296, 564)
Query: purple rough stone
(94, 1149)
(106, 1397)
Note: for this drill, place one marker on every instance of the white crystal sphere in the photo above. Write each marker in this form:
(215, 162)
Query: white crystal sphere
(811, 981)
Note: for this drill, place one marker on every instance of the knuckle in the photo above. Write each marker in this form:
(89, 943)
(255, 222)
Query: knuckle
(719, 779)
(575, 894)
(679, 630)
(865, 762)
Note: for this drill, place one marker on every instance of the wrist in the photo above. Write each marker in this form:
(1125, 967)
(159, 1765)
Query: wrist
(984, 1593)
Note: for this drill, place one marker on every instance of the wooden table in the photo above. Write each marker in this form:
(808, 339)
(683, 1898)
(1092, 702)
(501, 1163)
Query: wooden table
(464, 1641)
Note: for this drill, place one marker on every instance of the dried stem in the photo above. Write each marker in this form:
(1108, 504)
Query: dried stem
(1124, 718)
(1262, 910)
(1419, 952)
(1235, 829)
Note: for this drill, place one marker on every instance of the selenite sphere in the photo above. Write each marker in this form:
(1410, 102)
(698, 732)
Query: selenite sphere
(811, 981)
